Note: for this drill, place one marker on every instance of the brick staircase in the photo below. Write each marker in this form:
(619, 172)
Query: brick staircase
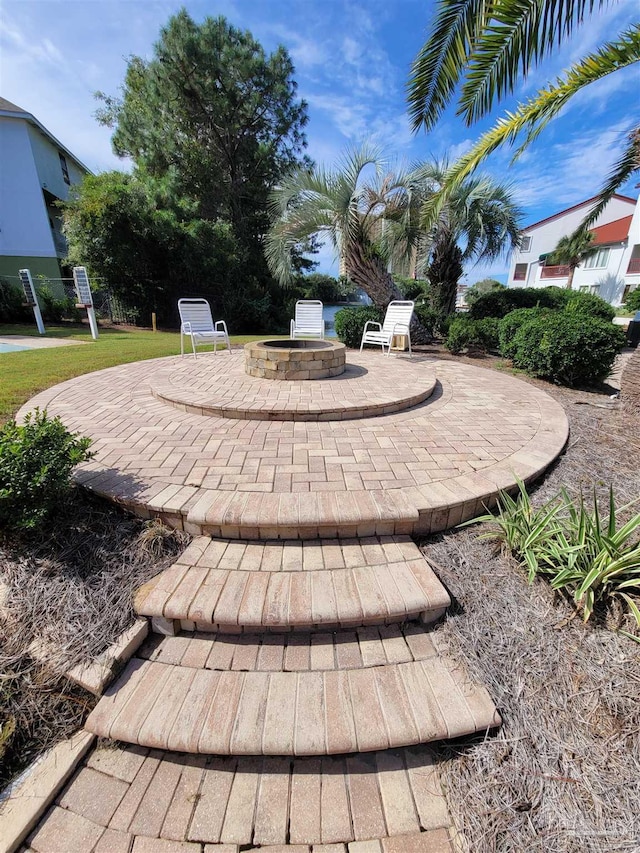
(317, 647)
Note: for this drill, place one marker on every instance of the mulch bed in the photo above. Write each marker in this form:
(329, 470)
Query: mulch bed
(65, 596)
(563, 772)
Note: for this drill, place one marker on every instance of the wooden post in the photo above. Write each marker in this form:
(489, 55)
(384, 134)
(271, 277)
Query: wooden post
(153, 322)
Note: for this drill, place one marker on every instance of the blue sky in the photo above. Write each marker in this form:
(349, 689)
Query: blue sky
(352, 62)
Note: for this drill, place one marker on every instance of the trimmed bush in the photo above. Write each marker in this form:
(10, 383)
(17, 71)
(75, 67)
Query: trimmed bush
(11, 308)
(499, 303)
(36, 460)
(567, 348)
(468, 334)
(633, 300)
(509, 325)
(589, 303)
(349, 323)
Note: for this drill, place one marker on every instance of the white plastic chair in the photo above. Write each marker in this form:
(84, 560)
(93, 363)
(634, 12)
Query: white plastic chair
(308, 322)
(197, 323)
(396, 322)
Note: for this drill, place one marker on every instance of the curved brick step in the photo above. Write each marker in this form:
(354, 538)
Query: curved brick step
(223, 585)
(291, 713)
(160, 803)
(373, 645)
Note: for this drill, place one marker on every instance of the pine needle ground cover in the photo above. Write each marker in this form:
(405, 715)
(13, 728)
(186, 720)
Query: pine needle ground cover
(562, 773)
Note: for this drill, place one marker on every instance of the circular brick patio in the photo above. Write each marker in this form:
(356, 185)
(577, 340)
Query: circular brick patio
(414, 471)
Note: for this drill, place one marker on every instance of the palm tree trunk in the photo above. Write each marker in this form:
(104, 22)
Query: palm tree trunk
(572, 270)
(371, 275)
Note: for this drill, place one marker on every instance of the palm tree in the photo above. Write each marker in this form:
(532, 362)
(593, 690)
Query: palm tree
(571, 251)
(486, 45)
(370, 220)
(375, 223)
(478, 222)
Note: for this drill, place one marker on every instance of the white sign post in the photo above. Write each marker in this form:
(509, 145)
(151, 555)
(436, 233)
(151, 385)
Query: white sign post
(85, 299)
(31, 297)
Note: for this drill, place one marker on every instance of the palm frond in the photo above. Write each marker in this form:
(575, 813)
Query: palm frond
(437, 68)
(533, 116)
(628, 163)
(518, 35)
(489, 43)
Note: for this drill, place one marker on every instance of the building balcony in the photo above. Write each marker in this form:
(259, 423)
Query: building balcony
(634, 266)
(557, 271)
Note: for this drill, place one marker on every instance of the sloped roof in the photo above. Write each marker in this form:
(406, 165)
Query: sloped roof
(9, 107)
(585, 203)
(612, 232)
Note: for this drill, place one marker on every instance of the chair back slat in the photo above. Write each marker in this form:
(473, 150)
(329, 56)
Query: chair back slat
(398, 312)
(308, 315)
(197, 312)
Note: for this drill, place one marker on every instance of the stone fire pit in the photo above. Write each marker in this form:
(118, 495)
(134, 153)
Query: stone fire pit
(294, 359)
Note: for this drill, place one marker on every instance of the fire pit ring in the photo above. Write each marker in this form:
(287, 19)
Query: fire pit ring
(288, 359)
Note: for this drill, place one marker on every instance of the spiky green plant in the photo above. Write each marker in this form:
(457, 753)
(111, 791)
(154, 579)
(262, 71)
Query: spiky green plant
(589, 558)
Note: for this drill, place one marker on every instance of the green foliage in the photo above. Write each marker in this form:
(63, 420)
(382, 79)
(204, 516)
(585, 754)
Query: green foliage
(36, 460)
(149, 248)
(212, 123)
(53, 308)
(591, 305)
(486, 285)
(349, 322)
(216, 112)
(427, 318)
(11, 308)
(416, 289)
(511, 323)
(326, 288)
(568, 348)
(591, 559)
(473, 335)
(499, 303)
(632, 302)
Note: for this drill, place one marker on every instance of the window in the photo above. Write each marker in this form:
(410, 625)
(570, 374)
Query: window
(520, 272)
(590, 288)
(65, 170)
(526, 244)
(597, 260)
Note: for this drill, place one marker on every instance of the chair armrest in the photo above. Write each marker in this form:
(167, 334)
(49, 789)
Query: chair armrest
(292, 328)
(223, 324)
(186, 328)
(400, 328)
(371, 323)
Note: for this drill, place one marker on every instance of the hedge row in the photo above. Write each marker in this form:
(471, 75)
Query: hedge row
(574, 344)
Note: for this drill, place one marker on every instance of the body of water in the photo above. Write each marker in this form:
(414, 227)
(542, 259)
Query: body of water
(329, 313)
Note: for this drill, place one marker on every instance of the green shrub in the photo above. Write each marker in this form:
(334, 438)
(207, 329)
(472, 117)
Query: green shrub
(567, 348)
(632, 302)
(477, 335)
(510, 324)
(499, 303)
(590, 304)
(36, 460)
(426, 316)
(349, 323)
(11, 308)
(53, 309)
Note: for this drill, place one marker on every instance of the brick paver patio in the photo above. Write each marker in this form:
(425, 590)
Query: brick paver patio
(415, 471)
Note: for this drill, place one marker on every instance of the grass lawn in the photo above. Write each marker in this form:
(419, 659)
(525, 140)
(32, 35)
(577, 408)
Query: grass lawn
(25, 373)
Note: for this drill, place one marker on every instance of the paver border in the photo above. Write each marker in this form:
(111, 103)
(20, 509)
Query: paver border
(32, 793)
